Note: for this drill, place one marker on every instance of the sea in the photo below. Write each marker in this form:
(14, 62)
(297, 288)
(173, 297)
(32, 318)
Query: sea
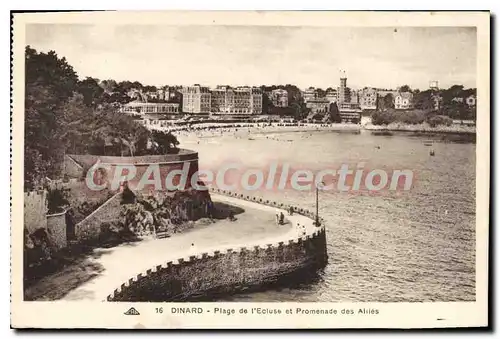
(412, 245)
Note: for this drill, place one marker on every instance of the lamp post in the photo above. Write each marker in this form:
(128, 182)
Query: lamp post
(318, 185)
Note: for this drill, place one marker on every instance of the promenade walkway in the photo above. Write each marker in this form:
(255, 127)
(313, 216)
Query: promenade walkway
(125, 261)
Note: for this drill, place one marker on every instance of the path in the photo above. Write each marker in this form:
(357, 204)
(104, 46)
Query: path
(126, 261)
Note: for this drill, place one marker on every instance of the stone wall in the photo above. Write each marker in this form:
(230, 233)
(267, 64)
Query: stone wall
(267, 202)
(35, 210)
(71, 168)
(167, 163)
(90, 227)
(56, 226)
(233, 270)
(87, 160)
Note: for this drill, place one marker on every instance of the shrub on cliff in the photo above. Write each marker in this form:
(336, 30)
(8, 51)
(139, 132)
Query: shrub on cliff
(413, 117)
(114, 233)
(410, 117)
(164, 212)
(439, 120)
(384, 117)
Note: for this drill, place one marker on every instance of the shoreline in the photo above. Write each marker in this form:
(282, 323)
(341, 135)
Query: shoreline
(422, 128)
(232, 129)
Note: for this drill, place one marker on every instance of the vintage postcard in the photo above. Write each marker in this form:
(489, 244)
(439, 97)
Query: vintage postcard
(251, 170)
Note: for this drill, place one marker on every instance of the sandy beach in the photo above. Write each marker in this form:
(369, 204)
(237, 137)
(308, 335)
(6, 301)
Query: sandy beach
(198, 132)
(249, 131)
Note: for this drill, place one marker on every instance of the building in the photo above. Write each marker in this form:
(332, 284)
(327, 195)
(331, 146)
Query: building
(309, 94)
(343, 91)
(236, 101)
(131, 93)
(218, 99)
(403, 100)
(471, 100)
(318, 105)
(196, 99)
(137, 107)
(136, 94)
(437, 101)
(152, 95)
(279, 97)
(162, 94)
(434, 85)
(256, 101)
(332, 95)
(350, 112)
(348, 102)
(353, 97)
(368, 99)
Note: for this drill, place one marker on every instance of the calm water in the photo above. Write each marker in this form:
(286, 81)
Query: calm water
(417, 245)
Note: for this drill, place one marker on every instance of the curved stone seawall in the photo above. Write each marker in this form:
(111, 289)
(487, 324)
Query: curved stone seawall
(230, 270)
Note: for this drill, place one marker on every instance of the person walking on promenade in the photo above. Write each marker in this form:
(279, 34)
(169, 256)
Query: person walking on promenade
(277, 218)
(282, 218)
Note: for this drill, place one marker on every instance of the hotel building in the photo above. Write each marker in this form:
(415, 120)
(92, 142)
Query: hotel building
(236, 101)
(320, 105)
(332, 95)
(368, 99)
(196, 99)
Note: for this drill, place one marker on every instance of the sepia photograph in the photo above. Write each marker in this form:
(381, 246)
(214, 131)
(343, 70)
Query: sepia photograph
(220, 167)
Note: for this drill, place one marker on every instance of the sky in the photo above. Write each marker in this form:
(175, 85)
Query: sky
(383, 57)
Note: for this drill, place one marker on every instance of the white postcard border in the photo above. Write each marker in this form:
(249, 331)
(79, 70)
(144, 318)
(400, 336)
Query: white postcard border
(62, 314)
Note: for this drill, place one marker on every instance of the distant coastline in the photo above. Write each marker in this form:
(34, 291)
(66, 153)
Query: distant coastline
(216, 128)
(422, 128)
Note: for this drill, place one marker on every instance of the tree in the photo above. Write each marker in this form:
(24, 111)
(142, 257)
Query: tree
(109, 86)
(334, 113)
(455, 91)
(49, 82)
(424, 100)
(405, 88)
(388, 101)
(321, 93)
(91, 91)
(457, 110)
(267, 105)
(124, 86)
(75, 117)
(64, 115)
(164, 143)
